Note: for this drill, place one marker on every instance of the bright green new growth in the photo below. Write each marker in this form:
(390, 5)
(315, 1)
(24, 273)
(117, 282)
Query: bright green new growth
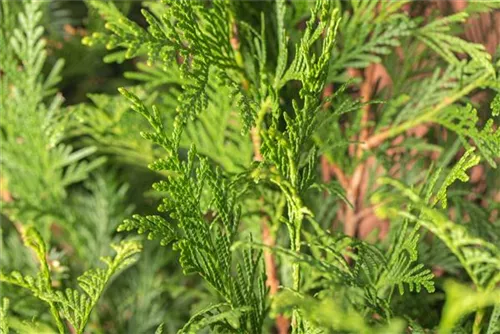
(230, 98)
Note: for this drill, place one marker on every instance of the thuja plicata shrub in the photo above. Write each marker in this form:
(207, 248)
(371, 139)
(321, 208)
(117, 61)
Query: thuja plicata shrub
(216, 166)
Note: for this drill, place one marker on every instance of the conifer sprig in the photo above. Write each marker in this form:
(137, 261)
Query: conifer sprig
(268, 128)
(203, 204)
(70, 304)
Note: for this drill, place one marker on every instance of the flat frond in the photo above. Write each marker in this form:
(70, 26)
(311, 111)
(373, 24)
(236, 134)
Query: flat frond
(462, 121)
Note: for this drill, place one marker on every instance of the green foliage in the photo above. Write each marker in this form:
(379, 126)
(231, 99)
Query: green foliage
(36, 164)
(463, 122)
(400, 266)
(72, 304)
(216, 132)
(206, 235)
(111, 128)
(458, 172)
(495, 105)
(366, 35)
(494, 324)
(462, 300)
(38, 168)
(76, 306)
(436, 36)
(303, 156)
(187, 30)
(97, 210)
(4, 325)
(478, 257)
(326, 314)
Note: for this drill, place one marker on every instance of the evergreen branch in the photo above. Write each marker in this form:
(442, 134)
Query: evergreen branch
(192, 190)
(480, 258)
(39, 167)
(40, 285)
(463, 121)
(156, 226)
(426, 116)
(458, 172)
(72, 305)
(324, 313)
(400, 268)
(494, 324)
(76, 306)
(435, 35)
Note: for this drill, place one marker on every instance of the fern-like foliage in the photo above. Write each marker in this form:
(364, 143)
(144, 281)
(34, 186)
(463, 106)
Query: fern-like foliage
(436, 36)
(463, 122)
(156, 227)
(372, 279)
(224, 320)
(458, 172)
(495, 105)
(430, 91)
(108, 125)
(432, 99)
(325, 314)
(76, 306)
(291, 150)
(366, 35)
(95, 214)
(200, 38)
(480, 258)
(72, 304)
(235, 95)
(40, 285)
(217, 132)
(38, 167)
(400, 268)
(202, 202)
(152, 299)
(494, 324)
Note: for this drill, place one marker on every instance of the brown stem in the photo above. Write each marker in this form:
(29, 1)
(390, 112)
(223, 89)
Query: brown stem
(365, 212)
(325, 169)
(341, 177)
(268, 240)
(350, 225)
(353, 189)
(366, 92)
(267, 237)
(377, 139)
(282, 323)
